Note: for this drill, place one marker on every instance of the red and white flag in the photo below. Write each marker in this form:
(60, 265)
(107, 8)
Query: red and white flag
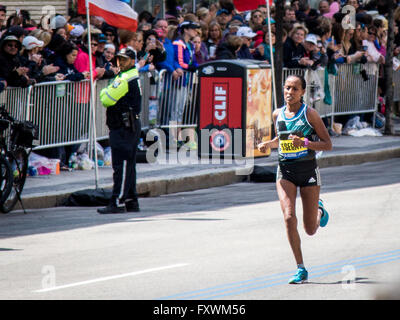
(245, 5)
(116, 13)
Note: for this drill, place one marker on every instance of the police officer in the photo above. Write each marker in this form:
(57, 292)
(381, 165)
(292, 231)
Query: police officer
(122, 98)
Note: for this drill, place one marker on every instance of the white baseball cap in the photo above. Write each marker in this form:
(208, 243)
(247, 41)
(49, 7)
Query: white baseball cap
(245, 32)
(31, 42)
(312, 38)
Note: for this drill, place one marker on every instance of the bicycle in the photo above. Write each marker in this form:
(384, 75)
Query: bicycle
(21, 137)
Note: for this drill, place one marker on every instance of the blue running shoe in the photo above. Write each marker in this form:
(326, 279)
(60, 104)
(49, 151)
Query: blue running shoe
(299, 277)
(325, 216)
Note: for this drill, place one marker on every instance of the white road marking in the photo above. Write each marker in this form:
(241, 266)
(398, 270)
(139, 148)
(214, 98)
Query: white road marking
(124, 275)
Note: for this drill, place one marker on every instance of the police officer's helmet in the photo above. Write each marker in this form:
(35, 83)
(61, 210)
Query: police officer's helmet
(126, 53)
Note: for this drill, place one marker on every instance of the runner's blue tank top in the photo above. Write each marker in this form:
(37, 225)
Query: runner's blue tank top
(297, 125)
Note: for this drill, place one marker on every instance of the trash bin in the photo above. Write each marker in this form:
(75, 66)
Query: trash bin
(235, 108)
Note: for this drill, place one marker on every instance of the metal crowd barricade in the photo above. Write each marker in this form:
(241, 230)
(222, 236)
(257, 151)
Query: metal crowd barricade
(178, 100)
(350, 93)
(353, 94)
(62, 112)
(16, 101)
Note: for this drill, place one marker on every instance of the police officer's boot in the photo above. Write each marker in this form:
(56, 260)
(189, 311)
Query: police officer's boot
(132, 206)
(111, 208)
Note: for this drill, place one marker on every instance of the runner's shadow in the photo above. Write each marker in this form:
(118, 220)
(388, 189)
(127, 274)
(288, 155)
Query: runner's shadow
(357, 280)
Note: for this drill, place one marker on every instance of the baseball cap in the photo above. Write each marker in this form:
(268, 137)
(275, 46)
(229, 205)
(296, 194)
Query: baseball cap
(245, 32)
(102, 38)
(189, 25)
(312, 38)
(58, 22)
(31, 42)
(77, 31)
(221, 11)
(126, 53)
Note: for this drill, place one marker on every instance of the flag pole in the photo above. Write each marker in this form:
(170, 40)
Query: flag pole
(92, 132)
(271, 54)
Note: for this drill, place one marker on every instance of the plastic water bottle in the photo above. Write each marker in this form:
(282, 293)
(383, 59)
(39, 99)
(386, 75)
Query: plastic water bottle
(141, 145)
(32, 171)
(73, 161)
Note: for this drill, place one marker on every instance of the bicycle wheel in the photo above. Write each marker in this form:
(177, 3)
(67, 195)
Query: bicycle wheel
(18, 160)
(6, 179)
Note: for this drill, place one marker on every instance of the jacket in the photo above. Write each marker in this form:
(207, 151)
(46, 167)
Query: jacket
(184, 54)
(122, 95)
(292, 54)
(68, 70)
(224, 51)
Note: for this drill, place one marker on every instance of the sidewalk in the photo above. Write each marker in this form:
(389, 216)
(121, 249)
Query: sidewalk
(158, 179)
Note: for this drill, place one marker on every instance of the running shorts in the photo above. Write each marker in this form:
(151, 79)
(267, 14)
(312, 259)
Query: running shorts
(301, 174)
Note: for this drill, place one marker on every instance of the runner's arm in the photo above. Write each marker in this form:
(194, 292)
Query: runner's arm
(325, 143)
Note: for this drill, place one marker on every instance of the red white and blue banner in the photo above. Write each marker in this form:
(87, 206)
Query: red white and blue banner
(116, 13)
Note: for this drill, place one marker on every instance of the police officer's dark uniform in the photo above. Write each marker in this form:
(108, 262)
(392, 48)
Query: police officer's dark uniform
(122, 98)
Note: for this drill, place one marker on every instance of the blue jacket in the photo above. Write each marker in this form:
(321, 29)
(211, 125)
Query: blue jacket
(170, 64)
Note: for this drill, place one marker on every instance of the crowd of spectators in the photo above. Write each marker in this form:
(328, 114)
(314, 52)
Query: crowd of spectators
(57, 49)
(32, 52)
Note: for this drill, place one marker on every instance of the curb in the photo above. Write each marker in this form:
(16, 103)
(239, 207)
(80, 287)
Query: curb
(152, 187)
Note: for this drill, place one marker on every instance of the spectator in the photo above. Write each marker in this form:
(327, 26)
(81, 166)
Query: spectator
(153, 51)
(214, 38)
(229, 48)
(290, 15)
(312, 46)
(82, 61)
(323, 7)
(256, 20)
(373, 53)
(32, 59)
(247, 35)
(101, 62)
(109, 53)
(293, 49)
(111, 35)
(50, 51)
(381, 36)
(203, 14)
(263, 51)
(334, 7)
(201, 55)
(129, 39)
(183, 48)
(349, 50)
(223, 18)
(58, 22)
(10, 66)
(305, 12)
(3, 16)
(170, 64)
(65, 60)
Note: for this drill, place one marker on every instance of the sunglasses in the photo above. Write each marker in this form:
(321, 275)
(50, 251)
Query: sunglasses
(12, 45)
(372, 34)
(109, 34)
(94, 44)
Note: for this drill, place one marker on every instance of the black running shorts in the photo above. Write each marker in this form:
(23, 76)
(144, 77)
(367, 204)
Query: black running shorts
(301, 174)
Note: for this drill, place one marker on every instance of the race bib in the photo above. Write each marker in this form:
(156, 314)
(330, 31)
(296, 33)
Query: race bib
(289, 151)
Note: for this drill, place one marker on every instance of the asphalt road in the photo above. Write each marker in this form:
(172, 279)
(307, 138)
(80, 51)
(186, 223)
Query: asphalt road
(219, 243)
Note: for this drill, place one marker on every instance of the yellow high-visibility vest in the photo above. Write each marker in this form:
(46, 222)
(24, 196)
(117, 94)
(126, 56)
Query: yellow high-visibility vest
(118, 88)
